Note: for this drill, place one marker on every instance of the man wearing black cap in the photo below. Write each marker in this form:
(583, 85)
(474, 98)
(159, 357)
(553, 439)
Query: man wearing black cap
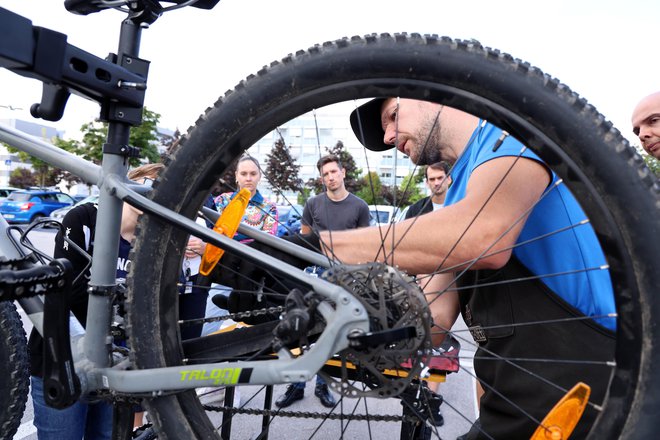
(502, 199)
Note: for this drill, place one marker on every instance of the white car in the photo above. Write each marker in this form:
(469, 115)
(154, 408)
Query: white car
(5, 191)
(381, 214)
(59, 214)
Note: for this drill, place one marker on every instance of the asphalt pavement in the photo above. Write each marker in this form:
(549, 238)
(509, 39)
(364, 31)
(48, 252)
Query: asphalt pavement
(459, 407)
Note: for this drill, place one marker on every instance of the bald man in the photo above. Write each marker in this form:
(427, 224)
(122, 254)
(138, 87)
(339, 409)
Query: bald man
(646, 123)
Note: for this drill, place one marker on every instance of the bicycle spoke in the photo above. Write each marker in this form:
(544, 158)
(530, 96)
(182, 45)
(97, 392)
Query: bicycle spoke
(472, 275)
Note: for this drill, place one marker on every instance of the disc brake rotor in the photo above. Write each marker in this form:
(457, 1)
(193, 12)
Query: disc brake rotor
(394, 302)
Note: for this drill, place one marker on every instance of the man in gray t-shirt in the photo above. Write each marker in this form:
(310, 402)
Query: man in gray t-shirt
(334, 210)
(323, 213)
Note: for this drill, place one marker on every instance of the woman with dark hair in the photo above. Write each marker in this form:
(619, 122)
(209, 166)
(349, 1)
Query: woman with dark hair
(260, 213)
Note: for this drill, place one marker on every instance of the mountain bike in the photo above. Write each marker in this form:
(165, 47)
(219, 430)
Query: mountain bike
(370, 318)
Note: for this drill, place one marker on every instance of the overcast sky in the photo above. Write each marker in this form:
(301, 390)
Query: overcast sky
(605, 50)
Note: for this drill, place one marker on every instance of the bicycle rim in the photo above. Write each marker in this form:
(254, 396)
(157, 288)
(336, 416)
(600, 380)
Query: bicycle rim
(598, 166)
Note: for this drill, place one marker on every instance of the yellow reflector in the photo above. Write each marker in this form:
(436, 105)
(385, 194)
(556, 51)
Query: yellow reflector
(562, 419)
(227, 225)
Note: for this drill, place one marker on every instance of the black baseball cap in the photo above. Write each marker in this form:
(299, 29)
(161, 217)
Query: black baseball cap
(368, 128)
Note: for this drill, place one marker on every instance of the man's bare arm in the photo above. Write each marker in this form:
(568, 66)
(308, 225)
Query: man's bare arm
(452, 235)
(443, 303)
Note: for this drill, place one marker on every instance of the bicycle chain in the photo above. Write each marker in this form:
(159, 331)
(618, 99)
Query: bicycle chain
(309, 414)
(302, 415)
(239, 316)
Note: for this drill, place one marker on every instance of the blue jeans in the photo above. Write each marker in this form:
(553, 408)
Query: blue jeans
(81, 420)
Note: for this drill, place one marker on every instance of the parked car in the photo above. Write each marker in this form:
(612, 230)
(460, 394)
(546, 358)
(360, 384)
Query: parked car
(59, 214)
(381, 214)
(5, 191)
(79, 197)
(289, 217)
(26, 206)
(401, 215)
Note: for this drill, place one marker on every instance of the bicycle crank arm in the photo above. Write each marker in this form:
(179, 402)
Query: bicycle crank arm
(61, 384)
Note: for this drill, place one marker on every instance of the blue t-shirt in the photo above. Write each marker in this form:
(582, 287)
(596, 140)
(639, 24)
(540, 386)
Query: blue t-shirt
(571, 250)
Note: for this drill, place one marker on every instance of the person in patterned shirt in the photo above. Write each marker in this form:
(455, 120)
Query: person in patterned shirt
(260, 213)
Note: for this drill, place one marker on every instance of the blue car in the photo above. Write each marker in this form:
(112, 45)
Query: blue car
(289, 219)
(26, 206)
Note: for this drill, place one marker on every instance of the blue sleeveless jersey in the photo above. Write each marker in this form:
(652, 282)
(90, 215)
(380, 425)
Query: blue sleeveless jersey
(573, 250)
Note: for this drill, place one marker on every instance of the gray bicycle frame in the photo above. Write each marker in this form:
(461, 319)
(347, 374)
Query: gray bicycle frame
(348, 315)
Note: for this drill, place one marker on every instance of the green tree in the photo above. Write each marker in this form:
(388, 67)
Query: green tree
(144, 136)
(22, 178)
(303, 196)
(45, 174)
(42, 173)
(352, 180)
(371, 189)
(408, 193)
(281, 169)
(653, 164)
(315, 185)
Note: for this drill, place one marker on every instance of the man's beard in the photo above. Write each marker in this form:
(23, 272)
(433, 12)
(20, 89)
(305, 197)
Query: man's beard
(429, 149)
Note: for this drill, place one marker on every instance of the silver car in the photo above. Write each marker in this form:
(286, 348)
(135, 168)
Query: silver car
(59, 214)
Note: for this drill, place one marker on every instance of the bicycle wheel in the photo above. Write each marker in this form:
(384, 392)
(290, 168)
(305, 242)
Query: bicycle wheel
(597, 165)
(15, 381)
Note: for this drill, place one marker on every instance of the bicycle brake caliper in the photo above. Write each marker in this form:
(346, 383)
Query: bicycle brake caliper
(296, 321)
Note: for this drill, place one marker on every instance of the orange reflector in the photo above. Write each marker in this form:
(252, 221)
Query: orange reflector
(562, 419)
(227, 225)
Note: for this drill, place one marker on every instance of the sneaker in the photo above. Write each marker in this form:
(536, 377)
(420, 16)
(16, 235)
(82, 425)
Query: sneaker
(437, 419)
(291, 394)
(324, 395)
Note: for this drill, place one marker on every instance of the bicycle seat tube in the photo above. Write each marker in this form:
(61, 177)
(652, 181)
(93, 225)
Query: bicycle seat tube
(115, 162)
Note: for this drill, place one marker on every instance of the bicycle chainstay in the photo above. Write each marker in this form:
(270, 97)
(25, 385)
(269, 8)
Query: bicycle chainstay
(21, 278)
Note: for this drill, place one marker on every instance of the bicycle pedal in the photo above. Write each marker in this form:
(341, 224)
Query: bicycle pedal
(22, 278)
